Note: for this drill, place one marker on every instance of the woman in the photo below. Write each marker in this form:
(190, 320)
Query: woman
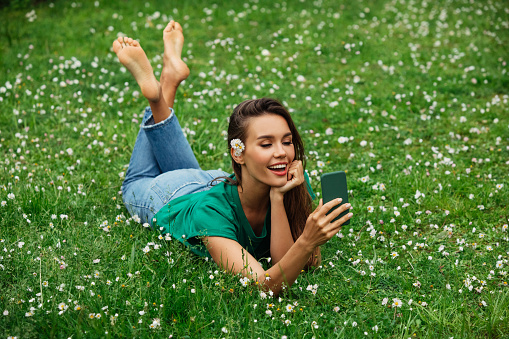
(263, 209)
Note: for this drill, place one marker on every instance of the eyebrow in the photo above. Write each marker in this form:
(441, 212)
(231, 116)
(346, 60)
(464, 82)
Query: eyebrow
(289, 134)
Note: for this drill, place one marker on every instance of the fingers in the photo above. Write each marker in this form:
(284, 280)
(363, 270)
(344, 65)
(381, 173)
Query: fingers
(332, 215)
(296, 172)
(320, 215)
(319, 227)
(291, 173)
(296, 164)
(316, 213)
(332, 228)
(295, 176)
(339, 223)
(328, 206)
(322, 210)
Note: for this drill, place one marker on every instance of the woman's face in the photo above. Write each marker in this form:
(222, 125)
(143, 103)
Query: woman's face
(269, 151)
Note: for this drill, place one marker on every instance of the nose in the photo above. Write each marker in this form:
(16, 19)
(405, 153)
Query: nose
(279, 151)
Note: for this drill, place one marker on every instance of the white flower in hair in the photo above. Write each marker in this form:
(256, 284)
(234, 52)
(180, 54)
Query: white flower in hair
(238, 146)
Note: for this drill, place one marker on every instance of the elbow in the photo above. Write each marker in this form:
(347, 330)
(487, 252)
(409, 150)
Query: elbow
(271, 288)
(267, 288)
(271, 291)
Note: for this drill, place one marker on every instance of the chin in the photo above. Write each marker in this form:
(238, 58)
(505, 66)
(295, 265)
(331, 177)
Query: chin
(278, 183)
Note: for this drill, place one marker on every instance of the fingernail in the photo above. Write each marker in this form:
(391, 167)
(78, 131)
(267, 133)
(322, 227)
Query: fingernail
(348, 205)
(350, 215)
(340, 200)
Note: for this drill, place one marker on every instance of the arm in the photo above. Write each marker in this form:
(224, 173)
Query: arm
(281, 239)
(230, 255)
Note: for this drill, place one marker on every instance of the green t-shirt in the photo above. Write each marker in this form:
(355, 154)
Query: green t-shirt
(216, 212)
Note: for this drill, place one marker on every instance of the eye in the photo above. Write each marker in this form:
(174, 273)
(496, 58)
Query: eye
(287, 143)
(266, 145)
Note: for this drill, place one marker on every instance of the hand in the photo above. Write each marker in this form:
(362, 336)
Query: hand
(319, 226)
(295, 177)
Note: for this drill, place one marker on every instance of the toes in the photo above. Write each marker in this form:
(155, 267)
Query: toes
(126, 41)
(170, 26)
(120, 42)
(117, 46)
(178, 27)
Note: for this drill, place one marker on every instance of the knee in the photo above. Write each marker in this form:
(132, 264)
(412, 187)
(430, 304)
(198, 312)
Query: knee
(125, 192)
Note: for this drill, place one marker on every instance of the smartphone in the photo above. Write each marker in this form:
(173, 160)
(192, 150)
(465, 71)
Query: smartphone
(334, 186)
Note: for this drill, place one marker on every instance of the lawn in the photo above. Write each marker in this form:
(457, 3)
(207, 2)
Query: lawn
(410, 98)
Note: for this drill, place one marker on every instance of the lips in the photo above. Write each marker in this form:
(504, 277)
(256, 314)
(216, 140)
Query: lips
(278, 169)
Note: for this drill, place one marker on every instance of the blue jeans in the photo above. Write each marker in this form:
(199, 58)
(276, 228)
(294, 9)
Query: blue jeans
(162, 167)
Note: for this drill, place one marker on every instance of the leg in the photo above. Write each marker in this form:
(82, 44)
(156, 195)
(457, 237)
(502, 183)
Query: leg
(174, 68)
(143, 163)
(154, 178)
(169, 146)
(133, 57)
(159, 148)
(146, 196)
(162, 166)
(147, 188)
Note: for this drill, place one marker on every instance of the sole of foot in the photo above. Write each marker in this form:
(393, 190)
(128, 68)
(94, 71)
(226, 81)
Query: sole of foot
(133, 57)
(175, 69)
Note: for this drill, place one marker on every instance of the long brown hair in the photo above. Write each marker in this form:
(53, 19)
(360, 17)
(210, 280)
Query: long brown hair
(298, 203)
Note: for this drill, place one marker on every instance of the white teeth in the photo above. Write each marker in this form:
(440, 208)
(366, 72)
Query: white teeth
(277, 166)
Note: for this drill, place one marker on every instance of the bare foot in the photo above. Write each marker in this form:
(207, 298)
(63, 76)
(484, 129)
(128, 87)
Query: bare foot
(174, 69)
(132, 56)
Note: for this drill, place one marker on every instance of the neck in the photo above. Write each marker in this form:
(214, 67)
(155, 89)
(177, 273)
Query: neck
(254, 197)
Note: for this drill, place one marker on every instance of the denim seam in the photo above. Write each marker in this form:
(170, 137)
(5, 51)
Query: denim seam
(136, 205)
(158, 191)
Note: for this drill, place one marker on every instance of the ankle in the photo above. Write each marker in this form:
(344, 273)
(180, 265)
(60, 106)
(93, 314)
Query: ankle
(151, 97)
(170, 82)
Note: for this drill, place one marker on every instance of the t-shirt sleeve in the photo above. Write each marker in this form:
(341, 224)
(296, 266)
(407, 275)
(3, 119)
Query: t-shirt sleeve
(308, 186)
(202, 221)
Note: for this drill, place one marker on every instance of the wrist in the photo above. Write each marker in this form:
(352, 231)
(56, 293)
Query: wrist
(276, 196)
(305, 246)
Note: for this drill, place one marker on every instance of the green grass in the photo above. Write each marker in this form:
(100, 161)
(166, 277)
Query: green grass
(424, 84)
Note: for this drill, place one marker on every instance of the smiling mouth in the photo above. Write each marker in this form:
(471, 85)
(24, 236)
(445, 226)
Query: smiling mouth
(278, 169)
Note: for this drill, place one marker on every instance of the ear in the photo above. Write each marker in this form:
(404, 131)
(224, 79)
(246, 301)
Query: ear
(238, 159)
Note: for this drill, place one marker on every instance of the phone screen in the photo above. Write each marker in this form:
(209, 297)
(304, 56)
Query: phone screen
(334, 186)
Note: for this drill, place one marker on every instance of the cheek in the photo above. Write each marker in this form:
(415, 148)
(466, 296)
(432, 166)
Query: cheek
(291, 154)
(259, 157)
